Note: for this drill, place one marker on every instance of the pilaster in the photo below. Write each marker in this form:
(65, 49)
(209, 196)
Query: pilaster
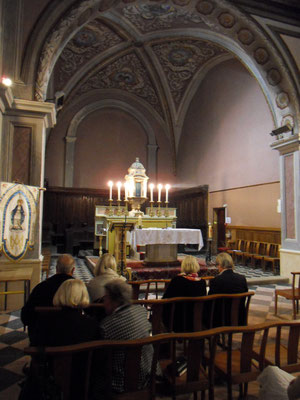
(289, 151)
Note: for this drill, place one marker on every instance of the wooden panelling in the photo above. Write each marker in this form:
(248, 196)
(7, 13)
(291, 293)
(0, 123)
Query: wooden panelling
(64, 207)
(259, 234)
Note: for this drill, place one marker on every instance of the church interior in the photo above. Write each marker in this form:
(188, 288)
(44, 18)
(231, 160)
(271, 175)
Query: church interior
(120, 118)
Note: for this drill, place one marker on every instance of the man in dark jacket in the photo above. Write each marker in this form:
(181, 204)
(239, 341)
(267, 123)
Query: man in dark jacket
(43, 293)
(227, 282)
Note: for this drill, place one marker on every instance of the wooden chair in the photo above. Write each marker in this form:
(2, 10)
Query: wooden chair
(63, 357)
(290, 294)
(251, 249)
(261, 252)
(240, 247)
(237, 365)
(199, 372)
(272, 256)
(282, 348)
(148, 286)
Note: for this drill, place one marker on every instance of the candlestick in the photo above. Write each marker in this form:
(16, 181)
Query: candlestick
(110, 184)
(151, 191)
(126, 190)
(119, 184)
(167, 209)
(119, 208)
(159, 192)
(151, 212)
(110, 209)
(167, 191)
(158, 213)
(210, 231)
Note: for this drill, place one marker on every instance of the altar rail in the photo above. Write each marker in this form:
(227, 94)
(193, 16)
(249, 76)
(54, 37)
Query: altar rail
(253, 233)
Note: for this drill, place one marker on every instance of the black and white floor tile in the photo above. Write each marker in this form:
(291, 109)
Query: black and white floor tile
(13, 339)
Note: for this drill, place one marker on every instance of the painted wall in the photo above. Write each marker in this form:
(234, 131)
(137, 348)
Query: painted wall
(225, 139)
(108, 142)
(225, 144)
(249, 206)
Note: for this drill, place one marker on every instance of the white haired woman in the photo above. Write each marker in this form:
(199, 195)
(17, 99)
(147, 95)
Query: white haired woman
(105, 271)
(69, 325)
(186, 284)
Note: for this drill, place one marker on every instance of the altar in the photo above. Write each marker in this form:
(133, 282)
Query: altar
(161, 244)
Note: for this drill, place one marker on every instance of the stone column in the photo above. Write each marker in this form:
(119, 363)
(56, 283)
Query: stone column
(289, 149)
(152, 161)
(69, 163)
(23, 125)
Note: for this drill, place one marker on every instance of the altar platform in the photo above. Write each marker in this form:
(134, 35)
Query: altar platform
(140, 270)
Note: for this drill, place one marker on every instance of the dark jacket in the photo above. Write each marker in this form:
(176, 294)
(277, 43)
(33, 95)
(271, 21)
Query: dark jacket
(228, 282)
(42, 295)
(182, 287)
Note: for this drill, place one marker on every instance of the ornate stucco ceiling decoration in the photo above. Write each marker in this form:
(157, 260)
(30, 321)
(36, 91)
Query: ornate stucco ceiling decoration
(181, 60)
(93, 39)
(148, 17)
(126, 73)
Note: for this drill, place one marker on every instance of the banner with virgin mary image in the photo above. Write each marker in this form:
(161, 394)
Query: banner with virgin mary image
(18, 218)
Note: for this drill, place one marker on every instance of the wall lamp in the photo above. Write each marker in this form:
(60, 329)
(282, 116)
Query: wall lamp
(283, 129)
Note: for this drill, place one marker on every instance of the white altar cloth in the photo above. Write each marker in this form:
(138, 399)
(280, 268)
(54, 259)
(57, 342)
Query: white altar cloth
(149, 236)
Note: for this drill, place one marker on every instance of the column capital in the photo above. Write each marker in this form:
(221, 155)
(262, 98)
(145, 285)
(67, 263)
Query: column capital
(70, 139)
(287, 145)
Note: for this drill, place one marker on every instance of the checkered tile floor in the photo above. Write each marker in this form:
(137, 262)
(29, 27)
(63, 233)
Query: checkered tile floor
(13, 338)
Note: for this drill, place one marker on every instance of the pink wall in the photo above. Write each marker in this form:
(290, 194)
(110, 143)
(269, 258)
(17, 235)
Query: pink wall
(108, 141)
(225, 139)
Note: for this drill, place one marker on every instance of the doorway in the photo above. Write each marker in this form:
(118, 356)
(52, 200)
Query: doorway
(219, 228)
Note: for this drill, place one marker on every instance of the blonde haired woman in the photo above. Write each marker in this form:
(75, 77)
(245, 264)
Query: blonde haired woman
(186, 284)
(105, 271)
(69, 325)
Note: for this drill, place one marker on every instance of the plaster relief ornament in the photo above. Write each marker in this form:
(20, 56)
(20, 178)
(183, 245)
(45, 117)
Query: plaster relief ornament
(18, 211)
(181, 59)
(282, 100)
(261, 55)
(90, 41)
(127, 73)
(150, 17)
(205, 7)
(227, 20)
(245, 36)
(274, 76)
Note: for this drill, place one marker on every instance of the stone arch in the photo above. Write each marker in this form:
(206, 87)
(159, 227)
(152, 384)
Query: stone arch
(80, 115)
(244, 37)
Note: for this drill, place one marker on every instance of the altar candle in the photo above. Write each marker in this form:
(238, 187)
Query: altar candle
(110, 184)
(126, 190)
(167, 191)
(159, 191)
(119, 184)
(151, 191)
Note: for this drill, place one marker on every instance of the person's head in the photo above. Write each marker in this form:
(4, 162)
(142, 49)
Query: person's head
(72, 293)
(65, 264)
(190, 265)
(117, 293)
(106, 262)
(294, 389)
(224, 261)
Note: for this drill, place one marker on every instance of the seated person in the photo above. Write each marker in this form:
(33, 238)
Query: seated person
(227, 282)
(69, 326)
(186, 284)
(105, 271)
(276, 384)
(124, 321)
(42, 295)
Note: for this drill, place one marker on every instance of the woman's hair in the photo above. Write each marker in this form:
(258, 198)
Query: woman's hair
(224, 260)
(119, 291)
(72, 293)
(190, 265)
(107, 261)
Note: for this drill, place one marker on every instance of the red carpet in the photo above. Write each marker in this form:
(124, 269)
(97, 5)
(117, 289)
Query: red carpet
(142, 272)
